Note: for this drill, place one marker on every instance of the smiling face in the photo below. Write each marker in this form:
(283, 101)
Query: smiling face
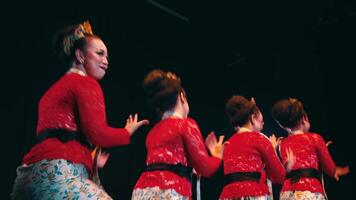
(95, 58)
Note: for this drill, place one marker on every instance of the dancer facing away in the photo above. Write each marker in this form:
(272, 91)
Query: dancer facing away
(304, 181)
(175, 144)
(71, 120)
(248, 153)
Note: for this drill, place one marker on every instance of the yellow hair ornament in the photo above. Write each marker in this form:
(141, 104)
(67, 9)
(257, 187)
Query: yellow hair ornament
(80, 32)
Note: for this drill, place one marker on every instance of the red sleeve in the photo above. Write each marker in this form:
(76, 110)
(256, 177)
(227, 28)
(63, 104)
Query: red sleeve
(273, 166)
(325, 159)
(198, 155)
(91, 109)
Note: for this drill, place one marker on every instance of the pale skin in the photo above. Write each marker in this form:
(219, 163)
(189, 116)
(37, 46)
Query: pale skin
(216, 148)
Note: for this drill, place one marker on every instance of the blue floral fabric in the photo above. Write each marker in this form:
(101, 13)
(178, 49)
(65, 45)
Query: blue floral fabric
(55, 179)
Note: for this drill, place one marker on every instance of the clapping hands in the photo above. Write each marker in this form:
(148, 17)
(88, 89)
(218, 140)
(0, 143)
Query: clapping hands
(275, 141)
(215, 147)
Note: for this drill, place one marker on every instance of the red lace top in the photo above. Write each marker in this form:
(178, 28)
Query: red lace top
(174, 141)
(74, 103)
(310, 152)
(250, 152)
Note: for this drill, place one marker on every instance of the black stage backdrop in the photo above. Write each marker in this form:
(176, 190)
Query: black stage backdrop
(267, 50)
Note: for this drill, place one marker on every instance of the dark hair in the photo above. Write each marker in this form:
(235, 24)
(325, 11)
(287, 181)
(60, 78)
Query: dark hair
(288, 112)
(239, 109)
(162, 89)
(77, 43)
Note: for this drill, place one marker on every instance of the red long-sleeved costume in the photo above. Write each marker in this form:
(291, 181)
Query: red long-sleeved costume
(174, 141)
(250, 152)
(310, 152)
(74, 103)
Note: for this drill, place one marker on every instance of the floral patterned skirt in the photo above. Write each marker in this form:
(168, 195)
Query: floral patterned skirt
(55, 179)
(155, 193)
(265, 197)
(301, 195)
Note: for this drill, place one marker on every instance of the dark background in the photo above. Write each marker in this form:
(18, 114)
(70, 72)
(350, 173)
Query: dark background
(267, 50)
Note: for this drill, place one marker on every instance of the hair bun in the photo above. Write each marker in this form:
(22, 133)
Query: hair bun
(161, 89)
(239, 109)
(288, 112)
(65, 38)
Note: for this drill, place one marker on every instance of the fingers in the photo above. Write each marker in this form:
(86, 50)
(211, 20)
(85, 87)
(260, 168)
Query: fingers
(328, 143)
(132, 123)
(211, 134)
(347, 169)
(289, 152)
(102, 159)
(211, 138)
(135, 117)
(290, 159)
(272, 136)
(336, 177)
(104, 155)
(215, 147)
(290, 155)
(143, 122)
(343, 170)
(221, 139)
(129, 119)
(210, 141)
